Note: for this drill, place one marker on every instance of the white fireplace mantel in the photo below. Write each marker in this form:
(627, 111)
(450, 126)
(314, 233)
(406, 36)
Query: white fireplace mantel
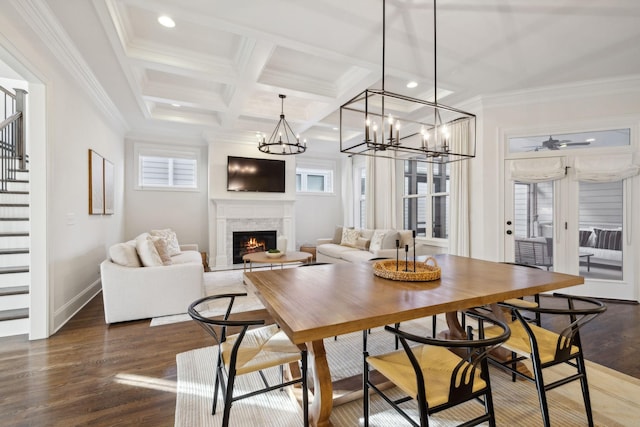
(228, 216)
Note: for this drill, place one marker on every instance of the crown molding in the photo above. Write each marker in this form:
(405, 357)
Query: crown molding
(43, 22)
(570, 91)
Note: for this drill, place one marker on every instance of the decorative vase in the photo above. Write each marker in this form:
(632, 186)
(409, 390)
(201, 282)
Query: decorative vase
(282, 244)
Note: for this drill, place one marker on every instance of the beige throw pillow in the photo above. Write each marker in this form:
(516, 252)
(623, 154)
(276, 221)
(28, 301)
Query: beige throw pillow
(162, 246)
(172, 239)
(362, 243)
(124, 254)
(147, 252)
(349, 237)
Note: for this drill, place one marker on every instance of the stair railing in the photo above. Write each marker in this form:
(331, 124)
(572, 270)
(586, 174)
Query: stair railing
(13, 155)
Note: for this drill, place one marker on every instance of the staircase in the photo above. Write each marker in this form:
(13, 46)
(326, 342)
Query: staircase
(14, 220)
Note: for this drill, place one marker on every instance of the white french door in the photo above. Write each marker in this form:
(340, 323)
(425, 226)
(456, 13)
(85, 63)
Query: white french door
(565, 225)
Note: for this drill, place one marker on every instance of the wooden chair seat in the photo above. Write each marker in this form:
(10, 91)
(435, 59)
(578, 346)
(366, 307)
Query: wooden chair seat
(432, 375)
(261, 348)
(437, 364)
(520, 343)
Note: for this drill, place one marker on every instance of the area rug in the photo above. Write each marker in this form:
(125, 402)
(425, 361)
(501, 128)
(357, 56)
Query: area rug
(613, 395)
(219, 282)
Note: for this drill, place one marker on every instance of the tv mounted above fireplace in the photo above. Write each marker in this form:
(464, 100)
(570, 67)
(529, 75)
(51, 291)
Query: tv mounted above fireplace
(259, 175)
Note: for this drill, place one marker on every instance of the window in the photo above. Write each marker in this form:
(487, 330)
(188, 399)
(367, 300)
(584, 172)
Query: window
(314, 180)
(160, 169)
(571, 141)
(426, 199)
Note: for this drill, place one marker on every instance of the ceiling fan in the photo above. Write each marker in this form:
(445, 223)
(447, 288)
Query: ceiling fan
(556, 144)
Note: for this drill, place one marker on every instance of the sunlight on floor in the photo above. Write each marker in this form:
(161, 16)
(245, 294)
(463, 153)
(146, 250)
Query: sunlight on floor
(146, 382)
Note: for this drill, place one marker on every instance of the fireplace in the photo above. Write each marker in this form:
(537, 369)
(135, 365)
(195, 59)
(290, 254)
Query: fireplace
(246, 242)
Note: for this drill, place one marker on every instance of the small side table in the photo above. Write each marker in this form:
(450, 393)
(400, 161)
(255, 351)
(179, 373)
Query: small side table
(588, 257)
(311, 249)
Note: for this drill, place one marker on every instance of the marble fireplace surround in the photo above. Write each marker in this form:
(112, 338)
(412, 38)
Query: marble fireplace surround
(248, 215)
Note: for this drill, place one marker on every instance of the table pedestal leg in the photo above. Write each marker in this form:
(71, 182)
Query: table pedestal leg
(322, 403)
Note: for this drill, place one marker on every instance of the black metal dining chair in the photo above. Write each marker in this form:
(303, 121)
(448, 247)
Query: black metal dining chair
(427, 371)
(546, 348)
(253, 349)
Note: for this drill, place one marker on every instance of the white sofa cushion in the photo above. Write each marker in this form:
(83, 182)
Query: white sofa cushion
(124, 254)
(357, 256)
(147, 252)
(187, 257)
(335, 251)
(171, 237)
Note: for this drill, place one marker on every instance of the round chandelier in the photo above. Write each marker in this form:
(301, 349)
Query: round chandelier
(283, 140)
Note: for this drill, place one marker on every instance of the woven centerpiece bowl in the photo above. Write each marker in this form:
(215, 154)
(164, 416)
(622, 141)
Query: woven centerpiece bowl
(394, 270)
(274, 254)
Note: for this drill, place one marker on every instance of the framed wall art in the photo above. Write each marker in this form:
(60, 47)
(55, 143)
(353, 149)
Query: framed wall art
(108, 188)
(96, 183)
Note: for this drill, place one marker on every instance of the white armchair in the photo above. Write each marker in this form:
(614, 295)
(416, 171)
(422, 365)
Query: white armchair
(132, 293)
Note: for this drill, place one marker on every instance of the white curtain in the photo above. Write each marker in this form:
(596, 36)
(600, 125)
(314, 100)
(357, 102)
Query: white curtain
(459, 194)
(538, 170)
(347, 191)
(386, 202)
(605, 168)
(370, 191)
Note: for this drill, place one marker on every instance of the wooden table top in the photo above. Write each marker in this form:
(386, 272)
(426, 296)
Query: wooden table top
(293, 256)
(321, 301)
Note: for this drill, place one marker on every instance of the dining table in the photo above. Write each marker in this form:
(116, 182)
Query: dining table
(321, 301)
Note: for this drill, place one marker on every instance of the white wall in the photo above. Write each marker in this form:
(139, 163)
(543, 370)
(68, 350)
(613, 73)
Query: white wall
(69, 243)
(183, 211)
(317, 215)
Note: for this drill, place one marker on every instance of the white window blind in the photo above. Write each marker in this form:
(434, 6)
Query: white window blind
(605, 168)
(538, 170)
(173, 172)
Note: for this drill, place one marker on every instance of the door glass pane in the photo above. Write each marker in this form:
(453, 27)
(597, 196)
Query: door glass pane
(533, 224)
(601, 232)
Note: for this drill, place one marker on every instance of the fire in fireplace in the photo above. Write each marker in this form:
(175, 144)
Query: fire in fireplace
(246, 242)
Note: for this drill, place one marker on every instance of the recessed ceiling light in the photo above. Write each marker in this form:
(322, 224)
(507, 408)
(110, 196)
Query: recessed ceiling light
(175, 104)
(412, 84)
(166, 21)
(590, 140)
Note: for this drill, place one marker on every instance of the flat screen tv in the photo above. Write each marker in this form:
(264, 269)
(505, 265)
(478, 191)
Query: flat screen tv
(259, 175)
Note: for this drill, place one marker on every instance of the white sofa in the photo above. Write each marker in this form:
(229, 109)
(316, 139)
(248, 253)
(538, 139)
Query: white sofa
(133, 292)
(368, 244)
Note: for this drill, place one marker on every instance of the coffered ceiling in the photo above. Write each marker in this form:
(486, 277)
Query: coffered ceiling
(219, 71)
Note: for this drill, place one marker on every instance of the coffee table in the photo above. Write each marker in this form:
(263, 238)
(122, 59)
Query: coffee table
(262, 258)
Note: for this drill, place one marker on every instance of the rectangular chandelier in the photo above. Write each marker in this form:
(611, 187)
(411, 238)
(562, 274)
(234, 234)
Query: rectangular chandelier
(386, 124)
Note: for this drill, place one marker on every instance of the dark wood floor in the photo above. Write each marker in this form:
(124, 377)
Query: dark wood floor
(121, 375)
